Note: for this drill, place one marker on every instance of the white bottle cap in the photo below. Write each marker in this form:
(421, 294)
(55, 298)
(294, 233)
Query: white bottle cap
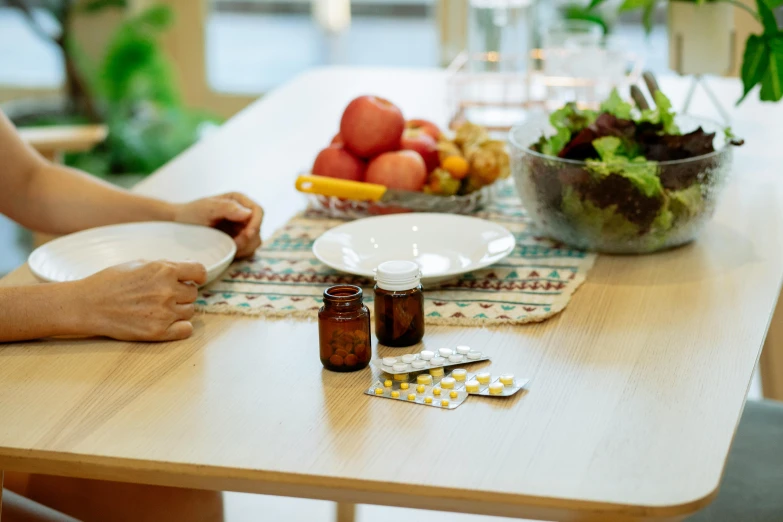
(397, 276)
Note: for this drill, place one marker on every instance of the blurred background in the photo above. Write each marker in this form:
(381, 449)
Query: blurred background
(98, 84)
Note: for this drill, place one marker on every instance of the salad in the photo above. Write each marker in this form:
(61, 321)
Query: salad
(621, 179)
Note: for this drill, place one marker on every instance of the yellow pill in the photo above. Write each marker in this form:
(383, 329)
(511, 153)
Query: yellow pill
(483, 377)
(395, 394)
(447, 382)
(411, 396)
(401, 377)
(387, 383)
(496, 388)
(507, 379)
(424, 379)
(436, 391)
(437, 372)
(420, 388)
(428, 400)
(444, 402)
(472, 386)
(404, 386)
(459, 374)
(378, 391)
(453, 394)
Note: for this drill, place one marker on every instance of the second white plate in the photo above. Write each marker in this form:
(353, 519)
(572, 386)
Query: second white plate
(82, 254)
(444, 245)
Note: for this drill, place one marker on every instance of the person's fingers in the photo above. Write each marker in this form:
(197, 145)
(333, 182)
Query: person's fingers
(191, 271)
(241, 242)
(226, 208)
(249, 246)
(178, 330)
(186, 293)
(185, 311)
(253, 226)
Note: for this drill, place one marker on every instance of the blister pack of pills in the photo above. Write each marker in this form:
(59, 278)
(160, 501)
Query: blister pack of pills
(436, 388)
(428, 359)
(421, 390)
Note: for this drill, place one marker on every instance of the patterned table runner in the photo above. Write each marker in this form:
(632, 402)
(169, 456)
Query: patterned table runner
(285, 280)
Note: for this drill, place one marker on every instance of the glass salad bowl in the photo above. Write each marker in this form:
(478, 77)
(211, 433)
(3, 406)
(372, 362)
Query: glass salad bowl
(638, 207)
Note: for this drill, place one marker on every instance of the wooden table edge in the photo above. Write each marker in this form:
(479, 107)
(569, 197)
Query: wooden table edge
(338, 489)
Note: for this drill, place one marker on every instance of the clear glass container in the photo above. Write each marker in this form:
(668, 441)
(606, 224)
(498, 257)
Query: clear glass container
(609, 214)
(502, 27)
(344, 330)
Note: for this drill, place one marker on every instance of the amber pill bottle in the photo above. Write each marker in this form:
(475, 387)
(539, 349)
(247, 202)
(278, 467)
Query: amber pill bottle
(399, 304)
(344, 330)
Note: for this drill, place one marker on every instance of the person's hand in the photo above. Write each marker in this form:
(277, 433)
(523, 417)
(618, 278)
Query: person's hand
(233, 213)
(141, 301)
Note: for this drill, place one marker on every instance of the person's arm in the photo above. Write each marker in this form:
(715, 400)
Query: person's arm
(50, 198)
(54, 199)
(142, 301)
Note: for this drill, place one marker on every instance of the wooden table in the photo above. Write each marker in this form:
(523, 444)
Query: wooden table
(636, 388)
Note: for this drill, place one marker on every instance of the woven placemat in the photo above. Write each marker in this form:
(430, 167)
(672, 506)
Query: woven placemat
(285, 280)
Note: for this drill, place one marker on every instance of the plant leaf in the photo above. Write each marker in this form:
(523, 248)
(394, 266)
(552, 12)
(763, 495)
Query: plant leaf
(596, 3)
(767, 17)
(755, 63)
(772, 82)
(648, 7)
(94, 6)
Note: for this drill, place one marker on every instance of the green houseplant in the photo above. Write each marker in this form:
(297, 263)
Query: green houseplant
(131, 89)
(762, 62)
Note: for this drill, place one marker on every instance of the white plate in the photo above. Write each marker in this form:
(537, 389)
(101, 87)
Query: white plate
(444, 245)
(82, 254)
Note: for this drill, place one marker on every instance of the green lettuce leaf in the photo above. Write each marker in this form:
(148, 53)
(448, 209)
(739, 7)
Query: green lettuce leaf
(687, 203)
(615, 105)
(663, 222)
(607, 147)
(570, 117)
(662, 114)
(615, 160)
(593, 220)
(555, 143)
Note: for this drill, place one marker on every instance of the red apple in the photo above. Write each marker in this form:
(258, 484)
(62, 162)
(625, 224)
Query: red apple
(424, 144)
(404, 170)
(336, 162)
(337, 140)
(426, 126)
(371, 126)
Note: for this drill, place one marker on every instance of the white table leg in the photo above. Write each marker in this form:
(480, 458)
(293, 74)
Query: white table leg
(345, 512)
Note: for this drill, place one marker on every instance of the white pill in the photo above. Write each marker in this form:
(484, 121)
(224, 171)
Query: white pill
(426, 355)
(389, 361)
(400, 367)
(496, 388)
(418, 365)
(455, 358)
(437, 361)
(408, 358)
(474, 355)
(463, 349)
(445, 352)
(459, 374)
(447, 382)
